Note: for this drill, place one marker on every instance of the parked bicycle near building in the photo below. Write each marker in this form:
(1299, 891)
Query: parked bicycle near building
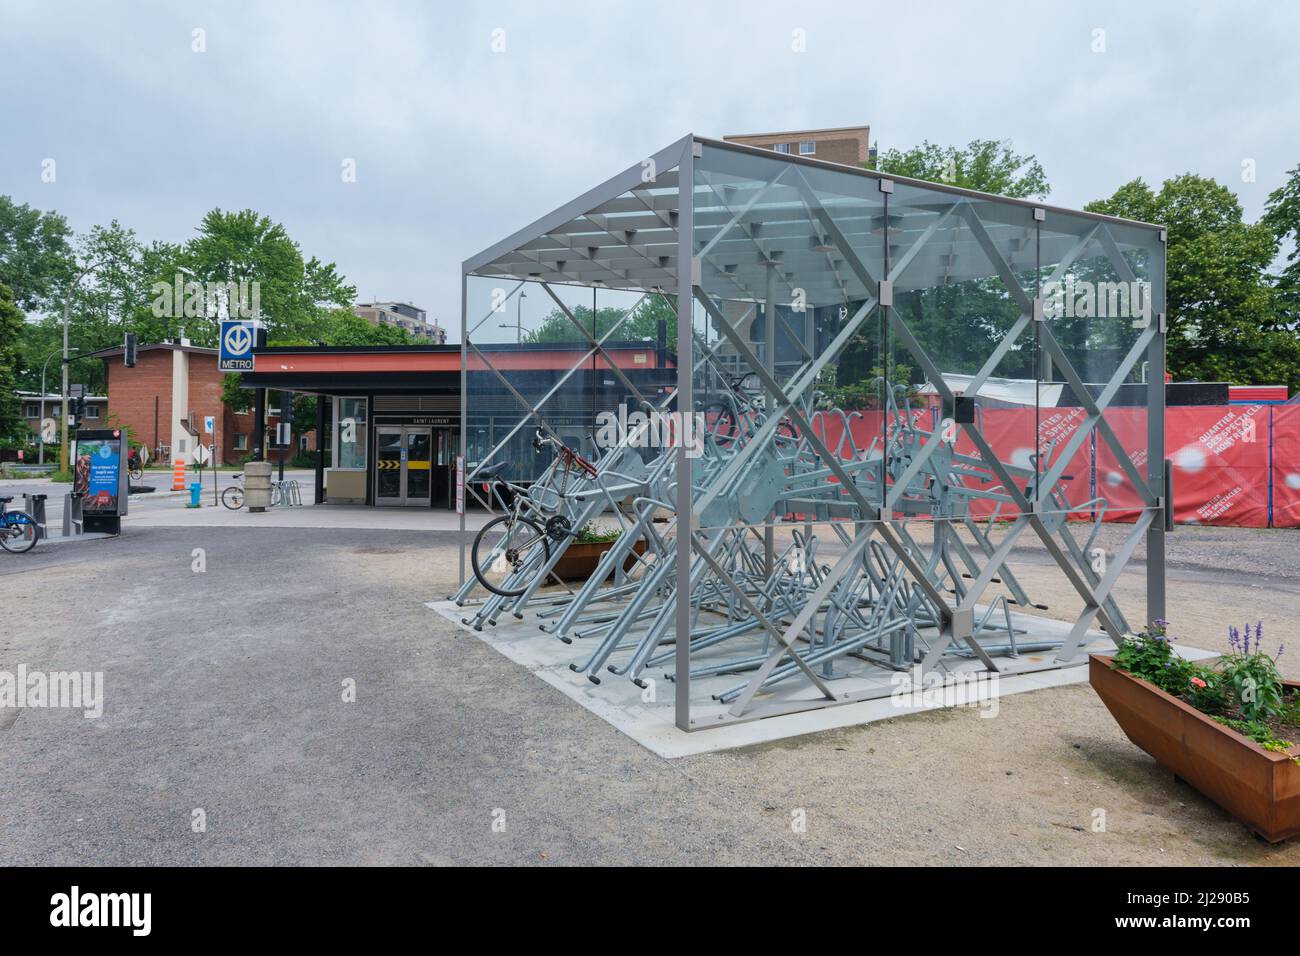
(533, 518)
(233, 496)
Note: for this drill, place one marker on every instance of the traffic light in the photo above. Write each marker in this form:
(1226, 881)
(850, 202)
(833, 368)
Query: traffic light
(77, 409)
(128, 350)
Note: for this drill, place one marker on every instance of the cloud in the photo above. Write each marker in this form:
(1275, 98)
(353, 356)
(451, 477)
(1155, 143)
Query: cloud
(457, 146)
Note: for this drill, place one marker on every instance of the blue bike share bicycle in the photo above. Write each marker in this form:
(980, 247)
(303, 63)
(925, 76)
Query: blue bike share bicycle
(17, 529)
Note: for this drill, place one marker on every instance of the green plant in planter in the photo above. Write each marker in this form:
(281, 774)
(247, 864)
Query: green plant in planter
(1253, 674)
(1246, 683)
(1149, 654)
(590, 534)
(1208, 692)
(1260, 733)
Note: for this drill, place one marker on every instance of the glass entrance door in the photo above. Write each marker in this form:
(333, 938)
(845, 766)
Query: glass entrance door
(419, 457)
(403, 459)
(388, 465)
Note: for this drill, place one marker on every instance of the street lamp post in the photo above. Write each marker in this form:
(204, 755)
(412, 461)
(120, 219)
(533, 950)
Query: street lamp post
(44, 366)
(519, 319)
(67, 302)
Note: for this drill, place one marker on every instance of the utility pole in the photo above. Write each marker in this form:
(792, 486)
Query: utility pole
(44, 368)
(67, 303)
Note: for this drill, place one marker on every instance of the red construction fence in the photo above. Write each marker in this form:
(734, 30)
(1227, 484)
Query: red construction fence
(1236, 465)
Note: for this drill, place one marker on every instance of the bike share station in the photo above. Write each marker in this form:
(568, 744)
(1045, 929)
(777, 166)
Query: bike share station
(886, 411)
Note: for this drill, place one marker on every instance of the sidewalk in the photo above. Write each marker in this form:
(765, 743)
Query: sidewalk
(173, 514)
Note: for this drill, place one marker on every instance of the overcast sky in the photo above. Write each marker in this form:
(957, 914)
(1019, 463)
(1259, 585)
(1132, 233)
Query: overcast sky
(456, 145)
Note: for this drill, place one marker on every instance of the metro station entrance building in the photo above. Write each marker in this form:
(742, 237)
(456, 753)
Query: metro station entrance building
(388, 417)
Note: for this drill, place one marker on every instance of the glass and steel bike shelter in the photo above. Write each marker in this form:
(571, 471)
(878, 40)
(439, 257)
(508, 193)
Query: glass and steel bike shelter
(926, 371)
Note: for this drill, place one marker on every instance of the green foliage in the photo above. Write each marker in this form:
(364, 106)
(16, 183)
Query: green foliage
(590, 534)
(641, 326)
(986, 165)
(13, 428)
(1150, 655)
(345, 327)
(295, 294)
(1208, 692)
(1262, 734)
(1225, 321)
(233, 395)
(1282, 216)
(1245, 683)
(1252, 674)
(870, 392)
(34, 253)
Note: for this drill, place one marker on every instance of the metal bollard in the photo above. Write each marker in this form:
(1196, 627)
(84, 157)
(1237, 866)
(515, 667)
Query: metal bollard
(36, 511)
(72, 519)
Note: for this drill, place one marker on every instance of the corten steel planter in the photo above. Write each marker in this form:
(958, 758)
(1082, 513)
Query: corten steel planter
(1258, 787)
(580, 558)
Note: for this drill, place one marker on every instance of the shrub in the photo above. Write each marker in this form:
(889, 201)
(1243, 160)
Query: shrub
(1253, 675)
(590, 534)
(1246, 682)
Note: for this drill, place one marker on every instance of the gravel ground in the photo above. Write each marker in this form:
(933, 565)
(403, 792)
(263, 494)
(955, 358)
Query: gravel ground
(223, 693)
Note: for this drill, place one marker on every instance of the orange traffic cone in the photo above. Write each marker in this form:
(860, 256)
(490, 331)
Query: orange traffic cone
(178, 475)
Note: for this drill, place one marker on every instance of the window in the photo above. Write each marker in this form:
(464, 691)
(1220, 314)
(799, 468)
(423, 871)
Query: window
(241, 441)
(31, 411)
(807, 147)
(350, 434)
(782, 147)
(92, 411)
(302, 443)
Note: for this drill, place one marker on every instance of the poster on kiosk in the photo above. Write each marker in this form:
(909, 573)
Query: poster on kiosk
(99, 476)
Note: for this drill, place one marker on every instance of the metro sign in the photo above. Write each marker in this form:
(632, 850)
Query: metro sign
(237, 341)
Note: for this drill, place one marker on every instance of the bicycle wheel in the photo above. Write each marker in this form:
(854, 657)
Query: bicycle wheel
(502, 547)
(720, 422)
(275, 493)
(135, 473)
(18, 533)
(233, 497)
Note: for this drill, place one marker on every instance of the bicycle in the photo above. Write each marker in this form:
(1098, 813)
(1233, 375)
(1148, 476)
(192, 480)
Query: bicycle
(134, 467)
(18, 532)
(509, 543)
(233, 496)
(738, 409)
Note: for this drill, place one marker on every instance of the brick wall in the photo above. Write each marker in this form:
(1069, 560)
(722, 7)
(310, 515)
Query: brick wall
(847, 146)
(131, 395)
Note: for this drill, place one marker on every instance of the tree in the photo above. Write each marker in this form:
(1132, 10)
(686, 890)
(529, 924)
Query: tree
(13, 428)
(1282, 216)
(641, 326)
(986, 165)
(1224, 318)
(35, 253)
(294, 295)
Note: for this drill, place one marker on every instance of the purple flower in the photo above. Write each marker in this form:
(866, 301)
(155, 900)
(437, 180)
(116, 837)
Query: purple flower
(1234, 638)
(1280, 649)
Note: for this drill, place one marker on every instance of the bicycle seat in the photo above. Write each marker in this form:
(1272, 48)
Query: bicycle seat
(491, 472)
(6, 500)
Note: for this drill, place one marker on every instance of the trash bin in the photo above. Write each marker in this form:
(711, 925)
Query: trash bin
(196, 489)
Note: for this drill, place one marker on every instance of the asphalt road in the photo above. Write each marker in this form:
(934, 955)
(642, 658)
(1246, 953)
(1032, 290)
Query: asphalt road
(224, 692)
